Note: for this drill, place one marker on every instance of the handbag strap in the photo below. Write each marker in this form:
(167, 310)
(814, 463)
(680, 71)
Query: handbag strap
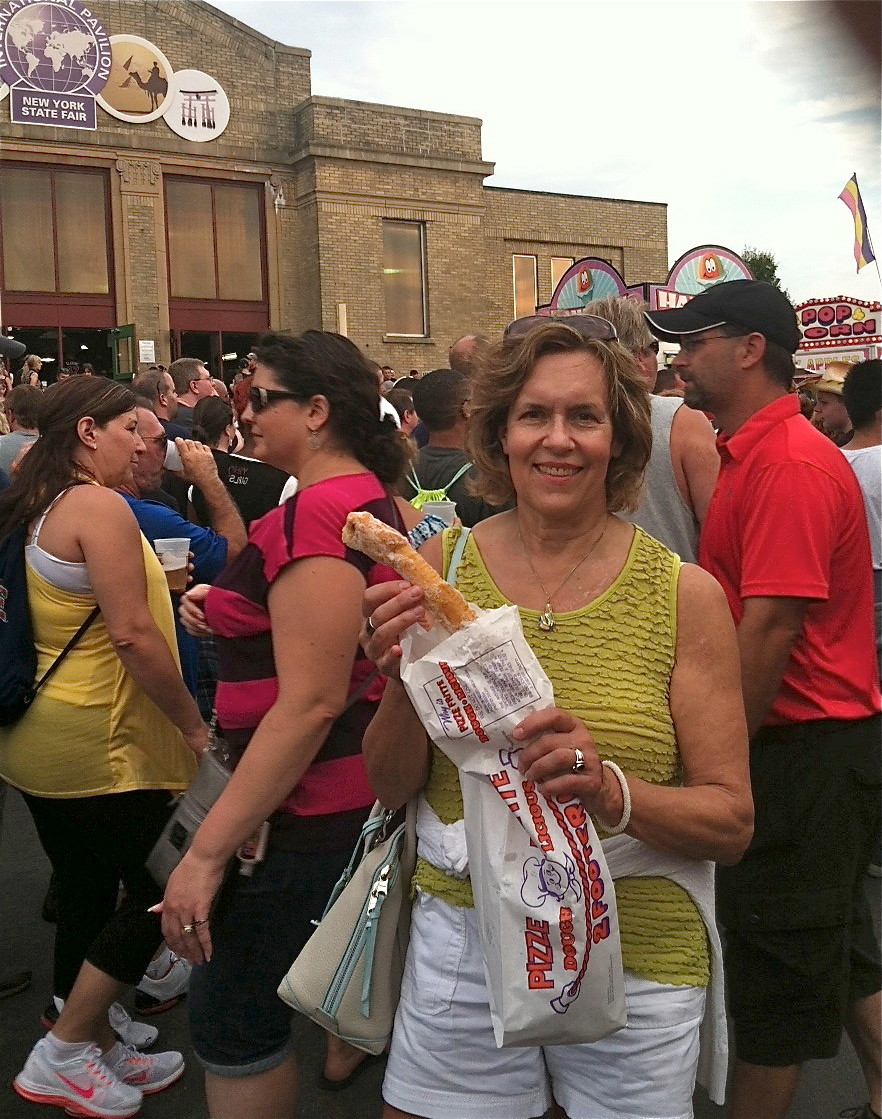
(361, 691)
(456, 555)
(93, 614)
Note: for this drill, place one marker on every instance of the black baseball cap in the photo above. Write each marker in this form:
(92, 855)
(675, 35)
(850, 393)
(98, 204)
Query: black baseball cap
(752, 304)
(10, 348)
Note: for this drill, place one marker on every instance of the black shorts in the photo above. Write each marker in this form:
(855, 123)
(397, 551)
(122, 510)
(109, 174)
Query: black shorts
(800, 945)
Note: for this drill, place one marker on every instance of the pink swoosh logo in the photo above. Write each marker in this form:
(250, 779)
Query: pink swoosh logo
(85, 1093)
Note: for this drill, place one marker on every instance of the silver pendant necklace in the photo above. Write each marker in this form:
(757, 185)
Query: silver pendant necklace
(547, 620)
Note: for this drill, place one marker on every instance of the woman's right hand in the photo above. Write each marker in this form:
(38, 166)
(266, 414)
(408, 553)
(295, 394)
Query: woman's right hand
(191, 610)
(391, 609)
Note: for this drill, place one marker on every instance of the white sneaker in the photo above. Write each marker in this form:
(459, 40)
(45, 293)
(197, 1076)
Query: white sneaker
(136, 1034)
(164, 984)
(149, 1074)
(83, 1084)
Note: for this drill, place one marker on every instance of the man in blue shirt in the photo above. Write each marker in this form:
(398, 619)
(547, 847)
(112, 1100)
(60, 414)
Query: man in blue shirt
(211, 548)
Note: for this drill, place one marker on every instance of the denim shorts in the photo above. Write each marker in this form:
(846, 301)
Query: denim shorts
(238, 1023)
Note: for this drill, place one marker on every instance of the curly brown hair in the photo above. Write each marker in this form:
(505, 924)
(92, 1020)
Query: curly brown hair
(504, 372)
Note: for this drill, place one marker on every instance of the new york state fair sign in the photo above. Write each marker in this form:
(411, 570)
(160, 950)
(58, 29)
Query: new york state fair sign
(55, 57)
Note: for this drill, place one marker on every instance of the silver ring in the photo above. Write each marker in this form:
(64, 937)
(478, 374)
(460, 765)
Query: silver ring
(579, 763)
(369, 627)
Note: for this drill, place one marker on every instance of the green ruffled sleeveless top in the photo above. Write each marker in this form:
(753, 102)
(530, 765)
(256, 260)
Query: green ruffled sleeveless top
(610, 664)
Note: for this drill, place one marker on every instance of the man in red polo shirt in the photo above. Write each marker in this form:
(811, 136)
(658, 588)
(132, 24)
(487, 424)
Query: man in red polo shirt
(785, 535)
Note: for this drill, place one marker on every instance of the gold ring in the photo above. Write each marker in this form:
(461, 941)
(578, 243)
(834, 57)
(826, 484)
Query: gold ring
(199, 924)
(369, 626)
(188, 929)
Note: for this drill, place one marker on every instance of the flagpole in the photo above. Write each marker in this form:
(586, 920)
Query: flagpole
(873, 251)
(866, 225)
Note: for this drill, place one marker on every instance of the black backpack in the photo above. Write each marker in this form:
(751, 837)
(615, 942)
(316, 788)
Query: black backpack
(18, 654)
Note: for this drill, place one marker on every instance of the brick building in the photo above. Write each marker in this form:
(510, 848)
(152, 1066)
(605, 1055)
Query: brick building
(196, 232)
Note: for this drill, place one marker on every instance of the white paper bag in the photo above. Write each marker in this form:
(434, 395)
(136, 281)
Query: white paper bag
(543, 894)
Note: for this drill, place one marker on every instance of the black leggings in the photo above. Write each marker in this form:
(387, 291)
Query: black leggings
(94, 843)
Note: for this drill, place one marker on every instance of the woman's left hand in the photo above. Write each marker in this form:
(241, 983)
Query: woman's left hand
(189, 895)
(553, 738)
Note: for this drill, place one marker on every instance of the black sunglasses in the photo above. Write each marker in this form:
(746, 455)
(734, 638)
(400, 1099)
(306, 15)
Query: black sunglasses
(588, 326)
(262, 398)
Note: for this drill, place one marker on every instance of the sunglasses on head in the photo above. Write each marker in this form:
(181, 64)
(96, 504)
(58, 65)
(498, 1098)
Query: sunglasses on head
(587, 326)
(262, 398)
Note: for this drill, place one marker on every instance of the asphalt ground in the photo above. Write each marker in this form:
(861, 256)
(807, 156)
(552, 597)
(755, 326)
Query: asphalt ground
(826, 1087)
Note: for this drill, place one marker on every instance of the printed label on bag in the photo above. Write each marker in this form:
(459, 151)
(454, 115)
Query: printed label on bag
(555, 882)
(481, 692)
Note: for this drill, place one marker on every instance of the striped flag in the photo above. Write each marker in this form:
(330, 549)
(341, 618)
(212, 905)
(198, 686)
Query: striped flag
(851, 196)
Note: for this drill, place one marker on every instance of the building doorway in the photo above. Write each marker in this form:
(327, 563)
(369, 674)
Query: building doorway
(221, 351)
(66, 347)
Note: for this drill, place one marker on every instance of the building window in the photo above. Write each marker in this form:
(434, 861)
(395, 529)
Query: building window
(404, 278)
(524, 280)
(214, 240)
(559, 265)
(55, 235)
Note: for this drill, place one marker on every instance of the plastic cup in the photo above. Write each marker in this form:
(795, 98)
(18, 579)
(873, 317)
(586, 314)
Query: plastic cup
(173, 553)
(172, 457)
(446, 510)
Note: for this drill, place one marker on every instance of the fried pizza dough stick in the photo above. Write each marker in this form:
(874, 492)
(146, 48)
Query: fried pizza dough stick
(385, 545)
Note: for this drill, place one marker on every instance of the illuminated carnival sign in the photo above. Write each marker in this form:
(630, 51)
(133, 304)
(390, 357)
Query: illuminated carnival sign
(839, 322)
(695, 271)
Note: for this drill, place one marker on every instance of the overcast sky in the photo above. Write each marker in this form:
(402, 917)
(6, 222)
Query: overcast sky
(746, 118)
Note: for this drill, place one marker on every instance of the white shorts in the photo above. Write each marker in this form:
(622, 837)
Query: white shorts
(444, 1063)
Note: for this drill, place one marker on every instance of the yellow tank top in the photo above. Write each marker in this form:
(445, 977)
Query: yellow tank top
(91, 730)
(610, 664)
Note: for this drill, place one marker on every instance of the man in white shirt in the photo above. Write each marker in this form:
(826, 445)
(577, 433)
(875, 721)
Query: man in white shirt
(862, 397)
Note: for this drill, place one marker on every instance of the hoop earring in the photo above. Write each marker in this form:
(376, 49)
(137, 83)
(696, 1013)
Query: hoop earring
(312, 439)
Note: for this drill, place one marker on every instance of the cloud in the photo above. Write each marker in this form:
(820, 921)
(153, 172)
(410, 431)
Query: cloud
(746, 118)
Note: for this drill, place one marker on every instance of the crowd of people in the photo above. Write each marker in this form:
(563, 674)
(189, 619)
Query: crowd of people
(697, 568)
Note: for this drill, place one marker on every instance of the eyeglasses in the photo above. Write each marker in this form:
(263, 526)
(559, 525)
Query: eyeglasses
(588, 326)
(649, 348)
(159, 440)
(262, 398)
(690, 345)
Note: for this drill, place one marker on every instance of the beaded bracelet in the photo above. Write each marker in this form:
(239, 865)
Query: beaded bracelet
(626, 799)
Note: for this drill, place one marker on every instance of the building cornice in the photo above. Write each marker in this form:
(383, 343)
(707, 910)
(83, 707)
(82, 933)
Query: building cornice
(392, 159)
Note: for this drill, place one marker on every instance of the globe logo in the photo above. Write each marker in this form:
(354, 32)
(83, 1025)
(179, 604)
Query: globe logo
(50, 48)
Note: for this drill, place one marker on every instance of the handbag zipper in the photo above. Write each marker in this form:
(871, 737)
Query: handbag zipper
(361, 851)
(364, 932)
